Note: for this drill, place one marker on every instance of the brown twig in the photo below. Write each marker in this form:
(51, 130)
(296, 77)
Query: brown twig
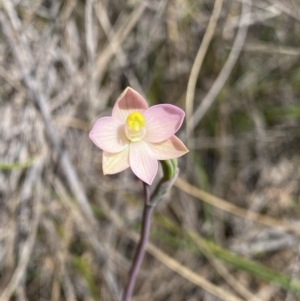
(224, 74)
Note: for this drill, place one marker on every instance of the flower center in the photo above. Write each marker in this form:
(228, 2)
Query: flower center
(135, 126)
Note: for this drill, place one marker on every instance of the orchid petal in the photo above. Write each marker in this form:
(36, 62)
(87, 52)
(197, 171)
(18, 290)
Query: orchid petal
(142, 161)
(114, 163)
(162, 122)
(108, 134)
(129, 101)
(168, 149)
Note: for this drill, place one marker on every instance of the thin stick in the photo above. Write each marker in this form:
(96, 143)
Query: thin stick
(141, 249)
(224, 74)
(190, 93)
(236, 210)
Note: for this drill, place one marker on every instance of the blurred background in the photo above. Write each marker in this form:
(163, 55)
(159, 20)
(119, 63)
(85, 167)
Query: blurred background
(229, 229)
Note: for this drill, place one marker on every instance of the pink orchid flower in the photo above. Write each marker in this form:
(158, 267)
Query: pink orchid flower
(137, 136)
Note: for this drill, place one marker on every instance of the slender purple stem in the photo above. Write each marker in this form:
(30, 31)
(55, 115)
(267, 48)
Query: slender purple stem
(141, 249)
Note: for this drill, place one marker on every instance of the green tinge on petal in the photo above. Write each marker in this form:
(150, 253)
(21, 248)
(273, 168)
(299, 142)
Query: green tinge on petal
(169, 149)
(114, 163)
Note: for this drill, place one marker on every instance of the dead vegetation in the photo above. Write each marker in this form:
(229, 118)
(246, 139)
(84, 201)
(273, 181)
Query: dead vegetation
(229, 229)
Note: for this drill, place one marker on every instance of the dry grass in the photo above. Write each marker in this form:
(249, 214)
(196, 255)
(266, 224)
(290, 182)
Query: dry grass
(229, 229)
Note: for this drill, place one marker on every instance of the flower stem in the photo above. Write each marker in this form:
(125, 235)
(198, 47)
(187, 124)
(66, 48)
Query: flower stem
(140, 252)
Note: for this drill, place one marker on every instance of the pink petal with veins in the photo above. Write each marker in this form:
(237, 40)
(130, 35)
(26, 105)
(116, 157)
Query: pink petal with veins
(162, 122)
(108, 134)
(114, 163)
(128, 102)
(168, 149)
(142, 161)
